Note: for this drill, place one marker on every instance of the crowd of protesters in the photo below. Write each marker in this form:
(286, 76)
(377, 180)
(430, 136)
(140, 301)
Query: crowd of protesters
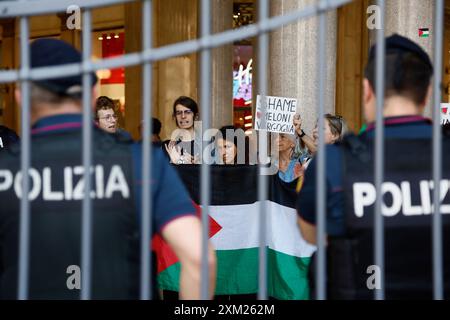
(294, 158)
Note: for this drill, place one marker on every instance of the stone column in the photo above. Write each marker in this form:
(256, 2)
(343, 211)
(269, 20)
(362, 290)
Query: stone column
(133, 75)
(446, 63)
(406, 17)
(446, 55)
(176, 21)
(294, 61)
(222, 68)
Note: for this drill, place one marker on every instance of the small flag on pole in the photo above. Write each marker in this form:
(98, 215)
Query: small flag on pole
(424, 32)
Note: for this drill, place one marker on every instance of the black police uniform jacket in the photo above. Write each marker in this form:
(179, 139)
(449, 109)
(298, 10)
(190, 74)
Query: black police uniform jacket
(407, 211)
(56, 192)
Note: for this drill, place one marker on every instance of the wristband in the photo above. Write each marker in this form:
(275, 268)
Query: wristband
(302, 134)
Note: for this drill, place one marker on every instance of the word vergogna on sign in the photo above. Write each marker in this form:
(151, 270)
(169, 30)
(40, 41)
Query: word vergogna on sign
(278, 114)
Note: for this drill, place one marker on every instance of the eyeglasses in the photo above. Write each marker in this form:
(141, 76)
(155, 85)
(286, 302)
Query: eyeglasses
(186, 112)
(109, 117)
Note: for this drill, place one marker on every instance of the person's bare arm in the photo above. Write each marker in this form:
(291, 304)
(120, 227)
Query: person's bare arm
(308, 230)
(307, 140)
(184, 236)
(309, 143)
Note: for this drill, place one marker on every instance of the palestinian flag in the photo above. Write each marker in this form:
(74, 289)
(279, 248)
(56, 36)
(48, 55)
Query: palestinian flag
(234, 232)
(424, 32)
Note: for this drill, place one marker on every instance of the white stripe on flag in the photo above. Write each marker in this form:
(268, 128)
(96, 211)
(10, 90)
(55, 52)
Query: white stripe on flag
(240, 227)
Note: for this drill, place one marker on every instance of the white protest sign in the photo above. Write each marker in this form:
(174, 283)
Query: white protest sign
(445, 113)
(279, 114)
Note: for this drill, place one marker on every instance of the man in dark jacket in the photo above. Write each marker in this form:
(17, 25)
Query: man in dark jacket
(57, 190)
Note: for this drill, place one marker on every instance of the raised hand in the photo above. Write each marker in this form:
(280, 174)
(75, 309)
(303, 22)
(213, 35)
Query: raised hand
(173, 151)
(297, 123)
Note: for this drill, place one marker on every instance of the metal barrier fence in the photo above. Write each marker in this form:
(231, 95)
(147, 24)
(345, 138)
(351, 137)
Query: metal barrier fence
(204, 44)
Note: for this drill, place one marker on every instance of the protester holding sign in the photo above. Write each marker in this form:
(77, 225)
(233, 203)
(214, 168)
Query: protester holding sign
(289, 165)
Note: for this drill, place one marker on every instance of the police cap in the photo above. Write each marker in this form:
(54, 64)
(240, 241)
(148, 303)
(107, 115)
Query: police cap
(399, 44)
(52, 52)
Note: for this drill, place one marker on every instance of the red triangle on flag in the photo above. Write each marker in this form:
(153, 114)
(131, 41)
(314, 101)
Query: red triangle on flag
(420, 32)
(164, 253)
(444, 110)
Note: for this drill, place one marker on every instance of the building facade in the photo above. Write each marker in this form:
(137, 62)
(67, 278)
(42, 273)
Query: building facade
(292, 54)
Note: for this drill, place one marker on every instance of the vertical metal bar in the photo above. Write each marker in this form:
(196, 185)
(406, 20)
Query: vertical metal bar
(321, 154)
(263, 54)
(25, 160)
(205, 105)
(146, 227)
(379, 151)
(437, 153)
(86, 232)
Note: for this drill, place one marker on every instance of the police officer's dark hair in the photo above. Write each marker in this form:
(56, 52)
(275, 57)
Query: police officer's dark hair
(104, 103)
(185, 102)
(407, 75)
(41, 95)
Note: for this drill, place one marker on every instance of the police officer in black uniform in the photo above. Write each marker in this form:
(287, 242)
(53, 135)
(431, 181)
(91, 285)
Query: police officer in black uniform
(407, 188)
(56, 193)
(7, 137)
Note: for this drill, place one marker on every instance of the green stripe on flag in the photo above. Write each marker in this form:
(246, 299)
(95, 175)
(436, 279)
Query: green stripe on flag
(288, 276)
(237, 273)
(169, 279)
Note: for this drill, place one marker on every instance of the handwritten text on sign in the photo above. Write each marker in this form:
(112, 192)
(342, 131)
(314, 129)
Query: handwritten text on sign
(279, 114)
(445, 113)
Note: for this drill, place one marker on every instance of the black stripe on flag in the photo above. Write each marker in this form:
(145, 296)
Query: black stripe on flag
(236, 185)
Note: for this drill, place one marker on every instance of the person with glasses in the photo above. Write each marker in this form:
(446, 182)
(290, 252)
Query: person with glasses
(184, 145)
(106, 117)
